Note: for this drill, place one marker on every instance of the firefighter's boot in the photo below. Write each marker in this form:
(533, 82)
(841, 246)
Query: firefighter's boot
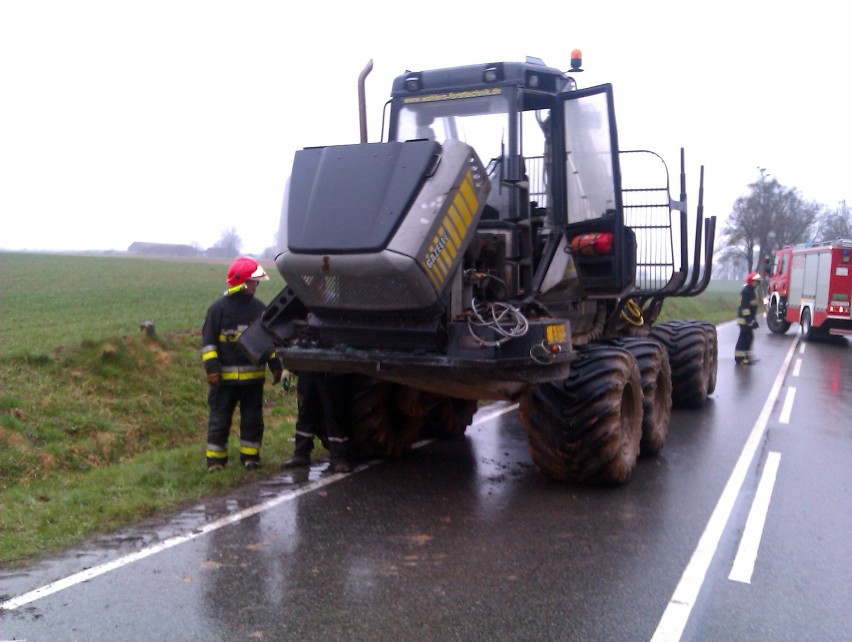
(217, 457)
(301, 453)
(339, 449)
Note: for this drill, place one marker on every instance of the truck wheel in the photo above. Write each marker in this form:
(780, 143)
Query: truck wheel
(691, 360)
(449, 418)
(713, 347)
(809, 332)
(776, 324)
(587, 428)
(378, 422)
(656, 376)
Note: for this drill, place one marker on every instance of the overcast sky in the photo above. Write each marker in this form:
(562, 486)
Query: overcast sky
(172, 121)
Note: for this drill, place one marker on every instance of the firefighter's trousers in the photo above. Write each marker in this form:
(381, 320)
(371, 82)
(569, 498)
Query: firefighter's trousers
(320, 410)
(743, 348)
(223, 401)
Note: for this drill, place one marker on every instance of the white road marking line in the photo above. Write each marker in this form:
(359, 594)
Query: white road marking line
(743, 566)
(287, 496)
(784, 418)
(797, 367)
(679, 608)
(802, 345)
(100, 569)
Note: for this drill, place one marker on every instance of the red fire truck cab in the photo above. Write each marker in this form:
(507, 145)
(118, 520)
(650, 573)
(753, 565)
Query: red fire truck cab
(811, 284)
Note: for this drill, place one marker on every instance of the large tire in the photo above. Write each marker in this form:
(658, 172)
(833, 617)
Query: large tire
(586, 429)
(713, 349)
(775, 323)
(449, 418)
(691, 360)
(656, 376)
(382, 419)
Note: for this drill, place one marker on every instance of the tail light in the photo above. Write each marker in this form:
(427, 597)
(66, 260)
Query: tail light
(838, 308)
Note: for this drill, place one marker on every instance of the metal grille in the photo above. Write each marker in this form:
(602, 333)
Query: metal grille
(647, 212)
(354, 293)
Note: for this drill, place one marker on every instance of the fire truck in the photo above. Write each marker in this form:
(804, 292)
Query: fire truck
(811, 285)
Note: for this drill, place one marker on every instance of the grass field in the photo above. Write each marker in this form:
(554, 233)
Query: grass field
(717, 303)
(101, 425)
(50, 300)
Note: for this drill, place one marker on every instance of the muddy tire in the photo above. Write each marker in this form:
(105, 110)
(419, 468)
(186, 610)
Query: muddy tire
(691, 360)
(383, 420)
(449, 418)
(587, 428)
(656, 377)
(773, 321)
(713, 348)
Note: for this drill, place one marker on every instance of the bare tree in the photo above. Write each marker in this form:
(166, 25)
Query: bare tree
(770, 216)
(835, 224)
(229, 243)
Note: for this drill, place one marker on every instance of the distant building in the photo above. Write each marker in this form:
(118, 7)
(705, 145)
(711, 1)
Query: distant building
(220, 252)
(162, 249)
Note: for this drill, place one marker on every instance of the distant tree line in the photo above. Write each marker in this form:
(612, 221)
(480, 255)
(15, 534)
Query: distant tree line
(769, 217)
(229, 245)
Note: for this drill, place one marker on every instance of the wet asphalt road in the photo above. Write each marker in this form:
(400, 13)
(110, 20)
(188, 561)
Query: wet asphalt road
(464, 540)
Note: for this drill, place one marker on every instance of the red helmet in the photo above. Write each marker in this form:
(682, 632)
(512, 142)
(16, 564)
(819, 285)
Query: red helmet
(752, 276)
(243, 269)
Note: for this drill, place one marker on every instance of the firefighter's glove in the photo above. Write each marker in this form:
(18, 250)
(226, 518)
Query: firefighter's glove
(276, 376)
(754, 325)
(213, 378)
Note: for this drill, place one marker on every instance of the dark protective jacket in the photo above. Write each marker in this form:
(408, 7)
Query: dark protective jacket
(227, 318)
(748, 306)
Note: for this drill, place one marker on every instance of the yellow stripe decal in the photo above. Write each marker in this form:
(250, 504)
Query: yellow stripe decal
(452, 248)
(445, 262)
(451, 233)
(436, 255)
(467, 196)
(462, 207)
(457, 226)
(436, 283)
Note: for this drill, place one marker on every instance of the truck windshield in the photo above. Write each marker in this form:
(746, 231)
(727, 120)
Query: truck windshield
(481, 122)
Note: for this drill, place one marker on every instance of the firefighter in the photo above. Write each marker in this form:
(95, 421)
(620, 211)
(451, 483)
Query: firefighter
(746, 318)
(233, 379)
(320, 402)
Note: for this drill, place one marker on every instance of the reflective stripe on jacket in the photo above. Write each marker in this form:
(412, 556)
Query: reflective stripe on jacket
(748, 306)
(227, 318)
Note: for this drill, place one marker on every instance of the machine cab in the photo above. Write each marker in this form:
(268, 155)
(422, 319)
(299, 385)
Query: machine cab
(551, 155)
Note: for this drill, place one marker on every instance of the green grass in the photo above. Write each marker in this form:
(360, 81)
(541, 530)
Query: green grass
(50, 300)
(124, 414)
(89, 404)
(100, 425)
(716, 304)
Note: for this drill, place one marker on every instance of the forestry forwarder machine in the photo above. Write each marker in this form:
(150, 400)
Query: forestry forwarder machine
(494, 248)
